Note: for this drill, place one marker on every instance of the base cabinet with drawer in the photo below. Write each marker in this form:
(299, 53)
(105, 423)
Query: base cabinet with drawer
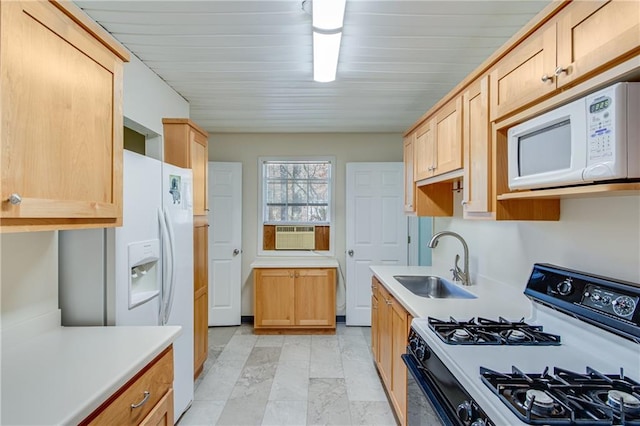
(146, 399)
(294, 300)
(390, 323)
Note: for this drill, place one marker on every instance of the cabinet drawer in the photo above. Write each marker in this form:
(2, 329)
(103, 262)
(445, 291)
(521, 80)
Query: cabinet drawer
(156, 379)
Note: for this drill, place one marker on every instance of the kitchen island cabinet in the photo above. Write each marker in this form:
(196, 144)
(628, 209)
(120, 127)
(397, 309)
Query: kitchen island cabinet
(71, 372)
(61, 130)
(294, 300)
(146, 399)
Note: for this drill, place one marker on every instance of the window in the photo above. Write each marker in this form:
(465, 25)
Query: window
(296, 191)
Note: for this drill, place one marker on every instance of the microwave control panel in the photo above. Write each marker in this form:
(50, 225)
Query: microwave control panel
(600, 122)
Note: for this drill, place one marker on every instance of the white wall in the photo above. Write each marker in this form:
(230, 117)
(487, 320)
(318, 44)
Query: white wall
(28, 276)
(246, 148)
(597, 235)
(148, 99)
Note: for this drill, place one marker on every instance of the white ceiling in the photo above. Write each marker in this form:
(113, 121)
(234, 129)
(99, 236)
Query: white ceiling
(246, 66)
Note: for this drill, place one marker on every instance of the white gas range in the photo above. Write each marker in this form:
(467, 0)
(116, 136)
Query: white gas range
(505, 372)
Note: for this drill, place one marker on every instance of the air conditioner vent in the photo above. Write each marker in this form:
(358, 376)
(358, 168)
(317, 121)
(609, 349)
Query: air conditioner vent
(295, 237)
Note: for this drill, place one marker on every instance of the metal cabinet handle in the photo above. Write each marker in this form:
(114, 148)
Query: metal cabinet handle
(389, 302)
(15, 199)
(546, 78)
(561, 70)
(297, 275)
(144, 400)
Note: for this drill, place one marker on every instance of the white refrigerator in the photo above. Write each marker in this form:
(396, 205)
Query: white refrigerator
(140, 273)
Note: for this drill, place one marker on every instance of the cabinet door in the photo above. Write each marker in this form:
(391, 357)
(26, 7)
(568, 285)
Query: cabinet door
(199, 166)
(61, 122)
(424, 151)
(399, 326)
(273, 297)
(526, 74)
(477, 149)
(375, 327)
(201, 293)
(315, 297)
(409, 185)
(162, 413)
(592, 34)
(448, 144)
(385, 338)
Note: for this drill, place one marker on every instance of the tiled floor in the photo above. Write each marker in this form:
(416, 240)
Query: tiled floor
(289, 380)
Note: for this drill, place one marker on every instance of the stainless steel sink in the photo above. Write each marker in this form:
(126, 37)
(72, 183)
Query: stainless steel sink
(432, 287)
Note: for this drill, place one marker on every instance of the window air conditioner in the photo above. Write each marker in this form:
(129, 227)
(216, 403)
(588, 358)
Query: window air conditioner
(295, 237)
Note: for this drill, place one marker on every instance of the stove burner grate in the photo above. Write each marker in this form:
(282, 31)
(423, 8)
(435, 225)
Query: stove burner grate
(482, 331)
(566, 397)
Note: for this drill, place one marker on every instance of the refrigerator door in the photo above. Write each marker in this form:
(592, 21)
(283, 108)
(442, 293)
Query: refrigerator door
(142, 196)
(177, 306)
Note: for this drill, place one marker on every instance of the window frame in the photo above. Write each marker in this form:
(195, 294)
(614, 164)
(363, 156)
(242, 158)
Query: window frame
(331, 207)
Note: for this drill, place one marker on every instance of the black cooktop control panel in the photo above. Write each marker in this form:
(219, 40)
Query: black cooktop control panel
(609, 301)
(606, 302)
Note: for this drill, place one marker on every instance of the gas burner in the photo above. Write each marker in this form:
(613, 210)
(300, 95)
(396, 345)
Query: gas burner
(514, 335)
(491, 332)
(628, 402)
(541, 404)
(460, 334)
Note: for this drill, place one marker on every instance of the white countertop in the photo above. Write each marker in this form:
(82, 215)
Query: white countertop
(295, 262)
(62, 375)
(493, 298)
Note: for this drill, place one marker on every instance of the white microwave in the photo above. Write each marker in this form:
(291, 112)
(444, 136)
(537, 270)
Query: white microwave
(592, 139)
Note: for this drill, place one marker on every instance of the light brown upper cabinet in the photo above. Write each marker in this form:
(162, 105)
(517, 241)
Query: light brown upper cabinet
(186, 145)
(593, 34)
(438, 144)
(448, 126)
(61, 119)
(424, 150)
(525, 74)
(477, 150)
(409, 186)
(583, 38)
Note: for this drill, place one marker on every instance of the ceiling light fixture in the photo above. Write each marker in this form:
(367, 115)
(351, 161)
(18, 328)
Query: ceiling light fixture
(328, 19)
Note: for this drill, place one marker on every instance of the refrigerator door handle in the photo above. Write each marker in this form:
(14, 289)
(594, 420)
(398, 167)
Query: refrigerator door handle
(165, 264)
(172, 275)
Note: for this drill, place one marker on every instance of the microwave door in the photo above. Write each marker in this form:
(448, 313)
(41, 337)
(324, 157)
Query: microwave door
(547, 151)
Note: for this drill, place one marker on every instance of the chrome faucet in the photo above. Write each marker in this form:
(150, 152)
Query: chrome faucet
(458, 275)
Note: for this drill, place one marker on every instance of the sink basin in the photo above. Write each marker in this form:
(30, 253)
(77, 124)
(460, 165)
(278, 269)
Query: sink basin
(432, 287)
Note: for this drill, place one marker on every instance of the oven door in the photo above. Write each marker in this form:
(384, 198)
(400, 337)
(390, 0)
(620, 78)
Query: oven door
(423, 406)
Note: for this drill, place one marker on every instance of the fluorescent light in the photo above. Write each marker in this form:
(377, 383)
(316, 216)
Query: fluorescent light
(326, 49)
(328, 18)
(328, 14)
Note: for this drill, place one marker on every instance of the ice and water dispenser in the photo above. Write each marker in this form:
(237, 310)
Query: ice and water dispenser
(144, 277)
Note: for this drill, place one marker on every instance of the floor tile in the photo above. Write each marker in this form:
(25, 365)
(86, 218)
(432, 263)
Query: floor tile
(371, 413)
(202, 413)
(326, 361)
(243, 411)
(328, 403)
(285, 413)
(291, 382)
(270, 340)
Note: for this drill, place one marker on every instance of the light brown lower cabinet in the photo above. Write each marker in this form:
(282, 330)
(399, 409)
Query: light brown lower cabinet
(390, 323)
(200, 293)
(146, 399)
(294, 300)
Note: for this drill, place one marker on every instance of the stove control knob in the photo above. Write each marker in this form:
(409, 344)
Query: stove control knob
(479, 422)
(596, 297)
(465, 412)
(606, 300)
(565, 287)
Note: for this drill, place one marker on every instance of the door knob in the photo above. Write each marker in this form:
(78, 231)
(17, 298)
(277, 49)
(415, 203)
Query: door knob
(236, 252)
(350, 253)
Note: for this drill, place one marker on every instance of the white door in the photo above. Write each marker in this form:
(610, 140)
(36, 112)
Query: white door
(376, 230)
(225, 242)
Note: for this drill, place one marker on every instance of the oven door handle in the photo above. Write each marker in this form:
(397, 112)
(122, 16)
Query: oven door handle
(421, 376)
